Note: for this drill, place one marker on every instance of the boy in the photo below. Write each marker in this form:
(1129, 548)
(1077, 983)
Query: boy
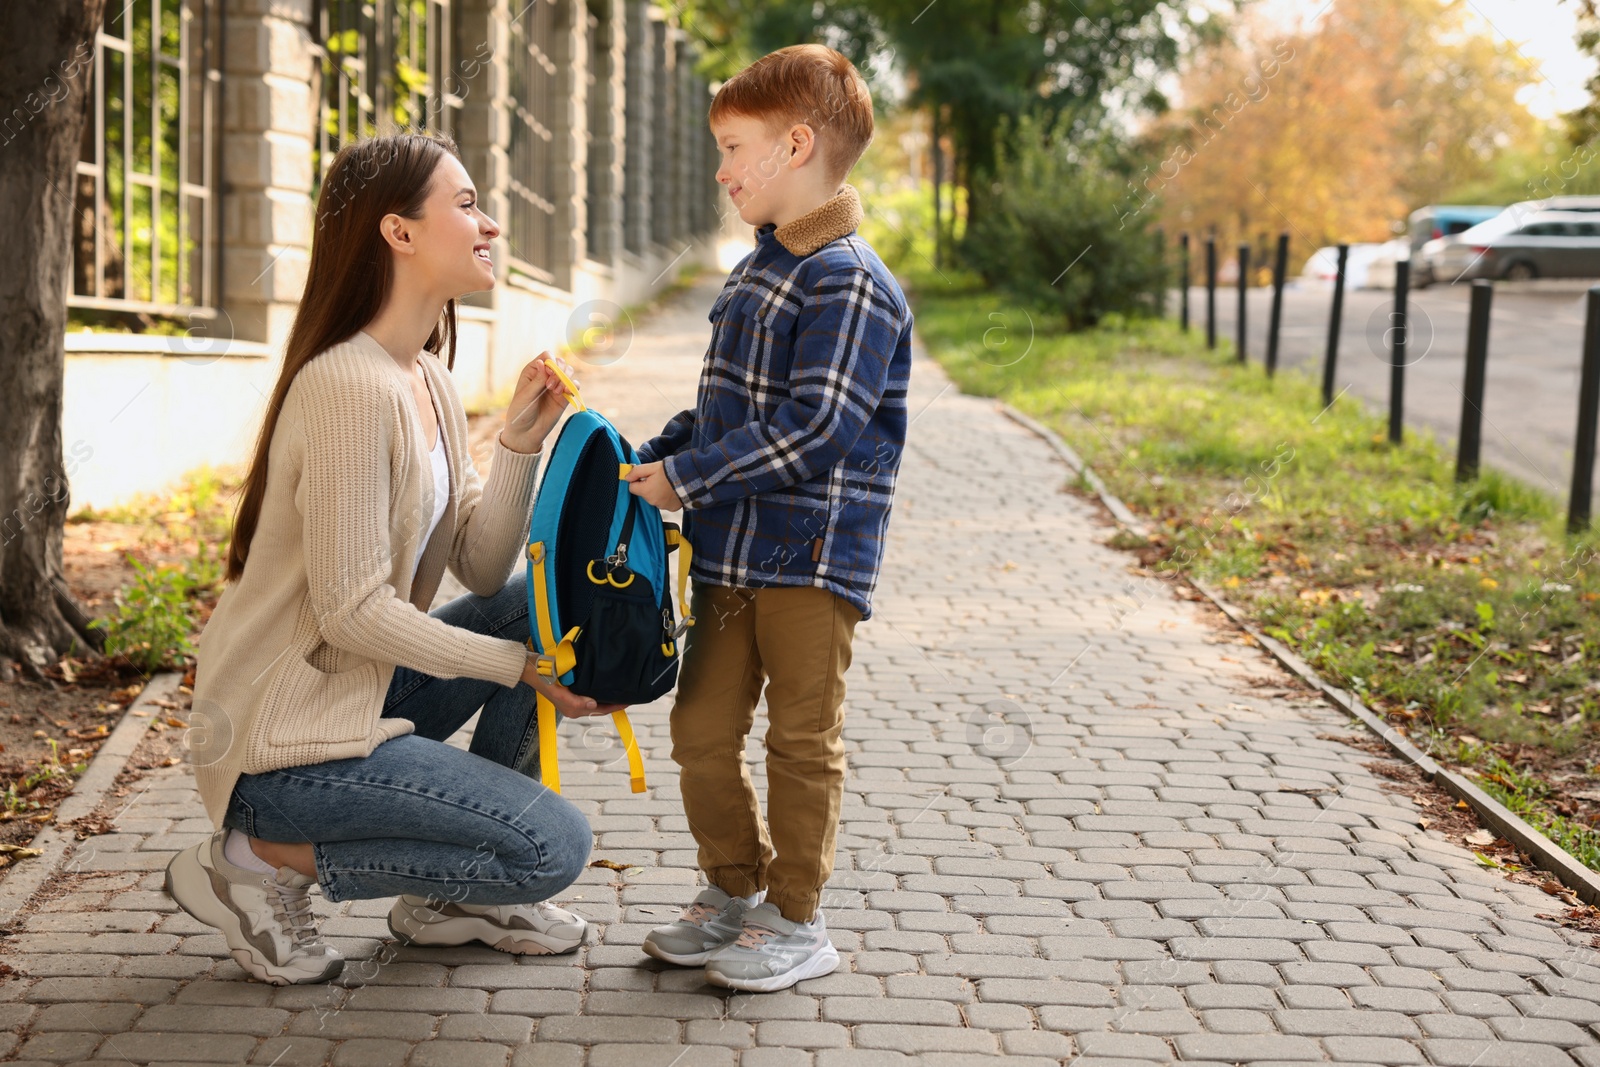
(785, 471)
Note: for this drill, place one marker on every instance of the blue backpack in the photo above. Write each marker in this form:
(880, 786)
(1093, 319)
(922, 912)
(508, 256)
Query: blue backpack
(598, 586)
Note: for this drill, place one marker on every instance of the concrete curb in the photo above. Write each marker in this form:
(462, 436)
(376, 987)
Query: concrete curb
(1495, 815)
(23, 880)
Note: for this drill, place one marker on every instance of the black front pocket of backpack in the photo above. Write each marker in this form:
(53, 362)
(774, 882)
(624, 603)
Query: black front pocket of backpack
(619, 651)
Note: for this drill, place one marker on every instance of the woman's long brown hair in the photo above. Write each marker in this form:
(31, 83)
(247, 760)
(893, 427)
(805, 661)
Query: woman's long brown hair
(350, 274)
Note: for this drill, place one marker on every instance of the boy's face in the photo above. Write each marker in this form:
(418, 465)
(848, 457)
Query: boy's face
(761, 165)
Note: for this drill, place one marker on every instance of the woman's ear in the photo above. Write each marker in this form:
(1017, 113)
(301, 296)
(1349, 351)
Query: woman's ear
(396, 231)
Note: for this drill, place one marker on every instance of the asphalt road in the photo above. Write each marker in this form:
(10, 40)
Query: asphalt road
(1535, 350)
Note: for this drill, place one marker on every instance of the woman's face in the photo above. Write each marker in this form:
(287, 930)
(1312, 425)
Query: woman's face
(452, 237)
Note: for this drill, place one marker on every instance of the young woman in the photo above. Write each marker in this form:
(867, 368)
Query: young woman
(324, 689)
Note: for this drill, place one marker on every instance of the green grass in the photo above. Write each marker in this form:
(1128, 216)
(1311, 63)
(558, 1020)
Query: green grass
(1454, 611)
(1533, 799)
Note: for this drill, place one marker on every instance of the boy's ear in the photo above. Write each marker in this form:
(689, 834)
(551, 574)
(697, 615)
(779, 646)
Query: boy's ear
(802, 144)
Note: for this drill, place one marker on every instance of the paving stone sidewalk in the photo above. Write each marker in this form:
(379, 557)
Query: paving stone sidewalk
(1074, 832)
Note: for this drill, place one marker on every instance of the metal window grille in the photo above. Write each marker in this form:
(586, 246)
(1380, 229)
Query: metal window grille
(535, 96)
(145, 194)
(385, 64)
(600, 183)
(686, 141)
(664, 194)
(639, 130)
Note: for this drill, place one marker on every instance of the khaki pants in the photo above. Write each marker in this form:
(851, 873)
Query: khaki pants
(798, 639)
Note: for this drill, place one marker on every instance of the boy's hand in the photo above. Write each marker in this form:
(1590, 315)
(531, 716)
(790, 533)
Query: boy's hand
(649, 480)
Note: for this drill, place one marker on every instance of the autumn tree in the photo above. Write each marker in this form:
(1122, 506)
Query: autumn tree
(46, 59)
(1337, 131)
(977, 66)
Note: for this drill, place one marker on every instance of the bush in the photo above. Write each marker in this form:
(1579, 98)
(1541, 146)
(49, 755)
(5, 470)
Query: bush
(152, 623)
(1055, 228)
(899, 222)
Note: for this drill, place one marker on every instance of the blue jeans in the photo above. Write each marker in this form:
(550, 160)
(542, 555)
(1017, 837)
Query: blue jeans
(420, 816)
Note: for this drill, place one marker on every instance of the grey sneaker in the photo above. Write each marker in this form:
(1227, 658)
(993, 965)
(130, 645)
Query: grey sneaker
(265, 918)
(540, 929)
(712, 920)
(772, 953)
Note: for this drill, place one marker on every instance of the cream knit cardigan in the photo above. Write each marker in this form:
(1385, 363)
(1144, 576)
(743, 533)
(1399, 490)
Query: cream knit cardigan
(295, 661)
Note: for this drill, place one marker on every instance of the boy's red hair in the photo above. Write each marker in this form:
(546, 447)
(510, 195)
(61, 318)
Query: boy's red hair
(809, 83)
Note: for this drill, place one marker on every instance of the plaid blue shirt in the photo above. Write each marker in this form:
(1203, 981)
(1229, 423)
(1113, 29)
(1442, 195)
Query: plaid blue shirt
(786, 466)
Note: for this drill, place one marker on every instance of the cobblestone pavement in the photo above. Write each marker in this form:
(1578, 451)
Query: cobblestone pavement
(1074, 831)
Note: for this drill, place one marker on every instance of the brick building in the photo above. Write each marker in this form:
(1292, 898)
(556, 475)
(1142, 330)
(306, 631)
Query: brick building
(212, 121)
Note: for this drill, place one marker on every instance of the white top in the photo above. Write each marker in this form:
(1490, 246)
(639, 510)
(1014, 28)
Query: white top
(441, 495)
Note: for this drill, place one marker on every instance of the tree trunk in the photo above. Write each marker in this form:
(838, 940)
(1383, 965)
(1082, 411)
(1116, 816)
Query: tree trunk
(46, 63)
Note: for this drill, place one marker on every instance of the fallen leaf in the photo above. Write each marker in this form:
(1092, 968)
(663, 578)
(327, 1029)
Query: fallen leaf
(612, 865)
(1480, 837)
(90, 825)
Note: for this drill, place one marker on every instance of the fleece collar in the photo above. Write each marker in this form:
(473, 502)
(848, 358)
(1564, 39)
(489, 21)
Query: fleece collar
(834, 219)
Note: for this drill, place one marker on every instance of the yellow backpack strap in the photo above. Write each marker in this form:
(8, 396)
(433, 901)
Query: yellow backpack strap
(631, 744)
(685, 556)
(556, 660)
(568, 386)
(541, 596)
(549, 767)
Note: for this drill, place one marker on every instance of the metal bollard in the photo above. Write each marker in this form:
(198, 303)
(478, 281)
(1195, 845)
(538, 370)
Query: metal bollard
(1183, 267)
(1280, 267)
(1470, 441)
(1588, 417)
(1397, 353)
(1211, 291)
(1160, 295)
(1244, 282)
(1331, 361)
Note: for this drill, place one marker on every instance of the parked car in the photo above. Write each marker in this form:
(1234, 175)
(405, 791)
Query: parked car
(1520, 245)
(1439, 222)
(1381, 269)
(1324, 262)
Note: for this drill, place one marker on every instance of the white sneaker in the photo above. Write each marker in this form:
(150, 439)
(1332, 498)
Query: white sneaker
(772, 953)
(712, 920)
(265, 918)
(540, 929)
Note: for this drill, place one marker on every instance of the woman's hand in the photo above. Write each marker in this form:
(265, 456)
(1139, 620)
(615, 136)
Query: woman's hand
(568, 703)
(536, 404)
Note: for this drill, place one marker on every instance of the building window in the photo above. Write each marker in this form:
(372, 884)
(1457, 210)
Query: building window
(535, 97)
(145, 204)
(385, 64)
